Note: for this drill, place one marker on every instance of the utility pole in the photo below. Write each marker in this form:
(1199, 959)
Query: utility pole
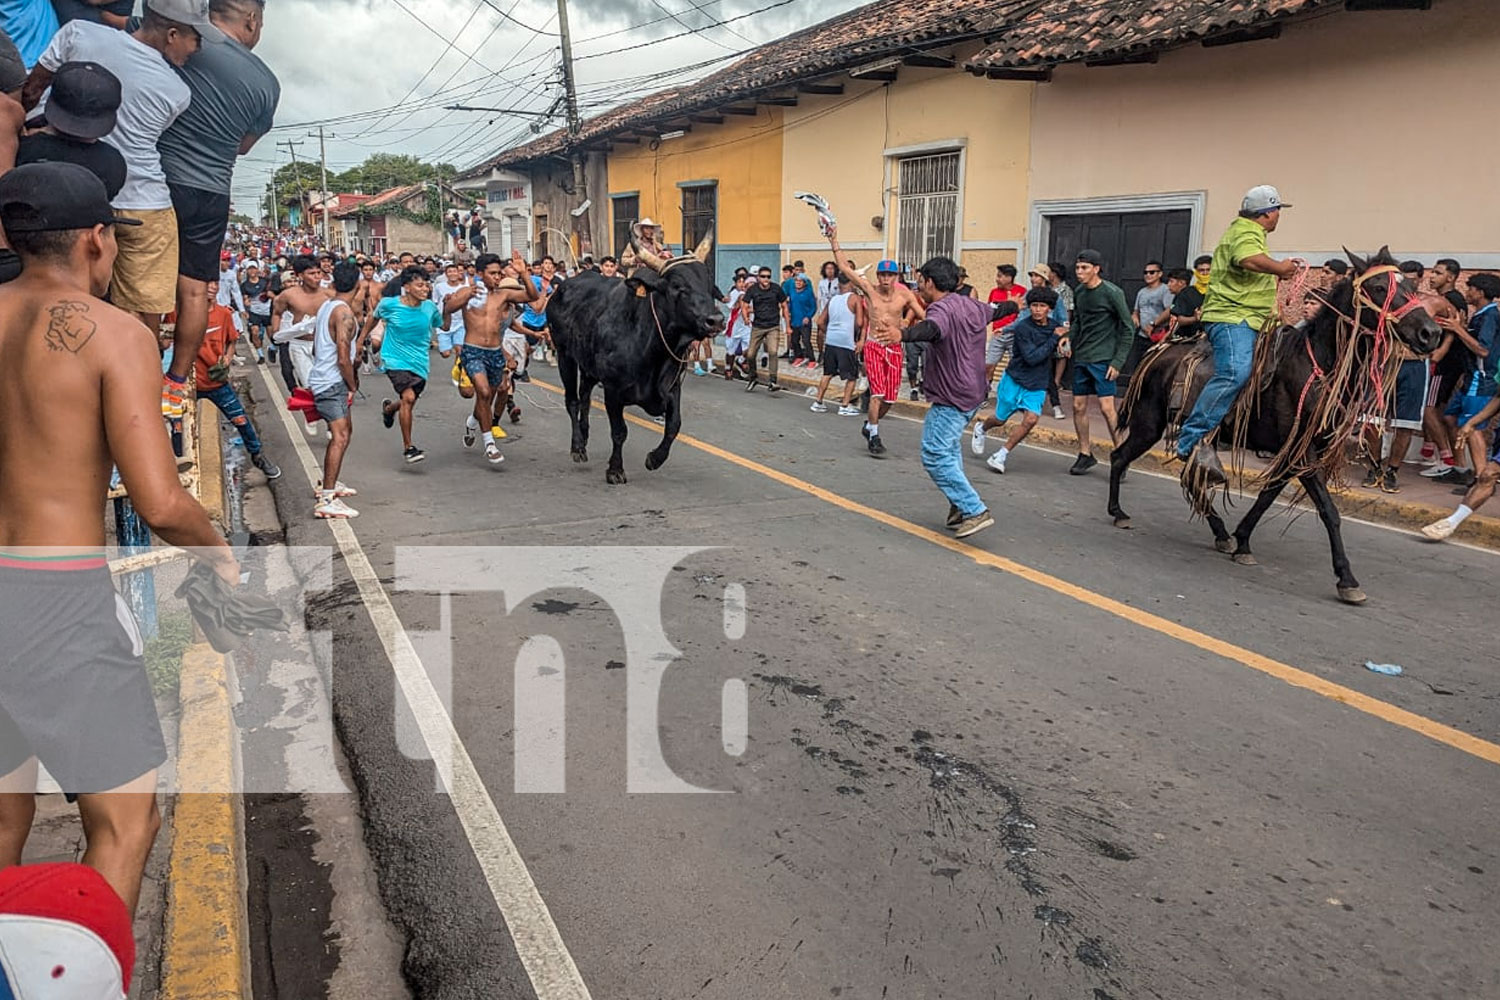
(275, 219)
(570, 90)
(323, 157)
(296, 172)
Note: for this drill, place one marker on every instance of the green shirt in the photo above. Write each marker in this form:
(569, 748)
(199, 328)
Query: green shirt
(1236, 295)
(1102, 327)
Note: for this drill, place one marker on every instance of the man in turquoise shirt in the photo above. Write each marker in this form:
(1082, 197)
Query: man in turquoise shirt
(1241, 301)
(409, 322)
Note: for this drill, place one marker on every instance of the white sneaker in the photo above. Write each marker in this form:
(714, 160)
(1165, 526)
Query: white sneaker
(996, 462)
(848, 411)
(339, 490)
(312, 428)
(976, 440)
(1057, 413)
(1433, 471)
(334, 509)
(471, 432)
(1439, 530)
(492, 453)
(819, 407)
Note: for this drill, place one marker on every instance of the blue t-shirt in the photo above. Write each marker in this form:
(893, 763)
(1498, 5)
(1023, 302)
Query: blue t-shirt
(1483, 326)
(803, 305)
(529, 315)
(408, 334)
(31, 25)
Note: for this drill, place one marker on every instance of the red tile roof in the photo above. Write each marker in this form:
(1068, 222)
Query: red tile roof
(887, 28)
(1060, 31)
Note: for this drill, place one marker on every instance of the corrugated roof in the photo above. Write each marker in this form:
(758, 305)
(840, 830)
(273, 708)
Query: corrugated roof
(864, 35)
(1061, 31)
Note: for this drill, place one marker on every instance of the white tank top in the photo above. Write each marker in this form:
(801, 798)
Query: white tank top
(325, 373)
(840, 322)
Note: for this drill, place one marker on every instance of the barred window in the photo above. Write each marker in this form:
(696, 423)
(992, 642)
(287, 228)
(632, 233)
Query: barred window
(927, 208)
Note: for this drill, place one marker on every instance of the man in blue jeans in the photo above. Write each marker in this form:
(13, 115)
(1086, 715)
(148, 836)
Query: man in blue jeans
(1240, 302)
(955, 384)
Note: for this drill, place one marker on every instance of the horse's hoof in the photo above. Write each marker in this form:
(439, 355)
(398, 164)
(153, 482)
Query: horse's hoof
(580, 455)
(1245, 559)
(652, 462)
(1352, 595)
(1225, 545)
(615, 477)
(1122, 521)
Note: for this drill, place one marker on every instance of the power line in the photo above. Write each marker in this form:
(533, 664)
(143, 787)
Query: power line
(681, 34)
(506, 15)
(435, 63)
(690, 28)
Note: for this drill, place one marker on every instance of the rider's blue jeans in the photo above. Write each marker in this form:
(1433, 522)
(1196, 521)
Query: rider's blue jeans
(1234, 350)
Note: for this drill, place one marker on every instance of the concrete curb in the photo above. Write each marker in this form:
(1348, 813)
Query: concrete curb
(210, 463)
(1381, 508)
(205, 948)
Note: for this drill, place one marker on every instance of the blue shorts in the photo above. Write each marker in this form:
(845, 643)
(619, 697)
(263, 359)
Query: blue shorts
(486, 361)
(1089, 379)
(449, 339)
(1010, 397)
(1411, 395)
(1463, 407)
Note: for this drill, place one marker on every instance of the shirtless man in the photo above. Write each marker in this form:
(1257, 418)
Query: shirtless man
(892, 308)
(485, 323)
(302, 300)
(80, 391)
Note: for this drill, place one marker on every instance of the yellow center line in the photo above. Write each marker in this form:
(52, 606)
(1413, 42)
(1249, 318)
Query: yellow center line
(1456, 738)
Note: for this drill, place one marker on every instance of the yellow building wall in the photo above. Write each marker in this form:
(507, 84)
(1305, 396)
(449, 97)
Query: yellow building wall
(836, 146)
(1372, 125)
(743, 155)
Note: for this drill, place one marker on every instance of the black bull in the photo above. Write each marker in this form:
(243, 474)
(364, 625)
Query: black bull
(631, 336)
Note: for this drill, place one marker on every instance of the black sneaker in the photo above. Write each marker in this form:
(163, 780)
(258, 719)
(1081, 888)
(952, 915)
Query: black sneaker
(1372, 478)
(773, 386)
(522, 376)
(877, 447)
(414, 455)
(264, 464)
(865, 431)
(1083, 464)
(912, 395)
(1388, 482)
(387, 414)
(955, 517)
(1456, 477)
(751, 383)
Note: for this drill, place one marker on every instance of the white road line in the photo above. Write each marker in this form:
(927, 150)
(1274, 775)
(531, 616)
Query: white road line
(548, 963)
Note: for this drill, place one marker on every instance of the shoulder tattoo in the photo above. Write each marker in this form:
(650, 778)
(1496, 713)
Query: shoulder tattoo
(69, 327)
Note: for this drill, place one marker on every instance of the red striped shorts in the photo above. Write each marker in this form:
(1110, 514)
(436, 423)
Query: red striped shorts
(883, 367)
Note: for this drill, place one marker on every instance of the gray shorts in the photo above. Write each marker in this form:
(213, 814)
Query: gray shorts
(998, 347)
(333, 404)
(73, 685)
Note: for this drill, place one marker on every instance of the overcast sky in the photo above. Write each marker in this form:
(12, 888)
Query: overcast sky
(341, 58)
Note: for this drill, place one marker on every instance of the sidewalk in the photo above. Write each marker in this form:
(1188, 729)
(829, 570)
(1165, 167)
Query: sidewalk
(1420, 502)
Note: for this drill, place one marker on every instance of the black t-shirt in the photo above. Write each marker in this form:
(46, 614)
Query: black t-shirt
(1187, 302)
(765, 304)
(252, 291)
(1459, 360)
(101, 158)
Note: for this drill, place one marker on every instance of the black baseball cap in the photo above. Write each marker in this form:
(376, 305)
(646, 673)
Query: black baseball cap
(85, 100)
(1091, 257)
(55, 197)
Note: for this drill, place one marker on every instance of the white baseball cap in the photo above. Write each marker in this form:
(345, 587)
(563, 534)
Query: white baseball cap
(63, 934)
(1262, 199)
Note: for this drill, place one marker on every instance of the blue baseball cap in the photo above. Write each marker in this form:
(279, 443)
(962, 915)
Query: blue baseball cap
(887, 267)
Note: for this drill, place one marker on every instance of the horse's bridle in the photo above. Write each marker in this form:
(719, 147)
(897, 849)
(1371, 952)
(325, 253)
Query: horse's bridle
(1387, 314)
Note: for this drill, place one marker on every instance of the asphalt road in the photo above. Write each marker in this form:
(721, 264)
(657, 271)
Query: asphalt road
(1077, 770)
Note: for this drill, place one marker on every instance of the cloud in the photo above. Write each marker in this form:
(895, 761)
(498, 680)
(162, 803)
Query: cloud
(343, 58)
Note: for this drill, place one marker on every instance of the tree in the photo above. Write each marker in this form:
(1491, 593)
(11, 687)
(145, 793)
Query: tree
(378, 173)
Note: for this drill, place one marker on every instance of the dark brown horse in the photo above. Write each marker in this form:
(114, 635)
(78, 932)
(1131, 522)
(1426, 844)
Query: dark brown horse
(1309, 386)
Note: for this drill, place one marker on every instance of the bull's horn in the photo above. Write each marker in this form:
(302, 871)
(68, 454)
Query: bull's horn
(648, 258)
(705, 246)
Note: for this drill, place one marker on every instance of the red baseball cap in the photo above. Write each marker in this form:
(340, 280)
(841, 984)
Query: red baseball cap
(64, 934)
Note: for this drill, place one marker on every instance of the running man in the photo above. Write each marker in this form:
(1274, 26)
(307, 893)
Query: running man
(256, 291)
(892, 308)
(487, 318)
(1035, 339)
(409, 321)
(843, 320)
(301, 302)
(333, 380)
(80, 392)
(766, 305)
